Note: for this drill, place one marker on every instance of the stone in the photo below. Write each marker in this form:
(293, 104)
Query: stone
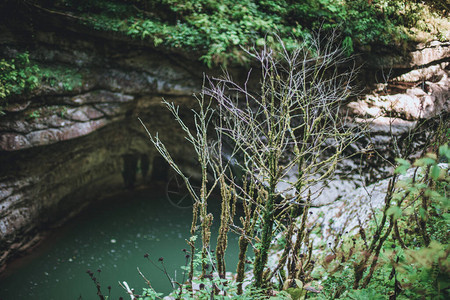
(424, 74)
(386, 125)
(101, 96)
(16, 106)
(109, 109)
(354, 209)
(13, 141)
(422, 55)
(83, 114)
(426, 54)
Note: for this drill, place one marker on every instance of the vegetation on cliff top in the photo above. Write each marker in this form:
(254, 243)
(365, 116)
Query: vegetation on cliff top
(218, 29)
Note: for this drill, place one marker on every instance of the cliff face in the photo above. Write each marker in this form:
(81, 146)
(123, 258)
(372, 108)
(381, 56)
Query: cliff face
(77, 137)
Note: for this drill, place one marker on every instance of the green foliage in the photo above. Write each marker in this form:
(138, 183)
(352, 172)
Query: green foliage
(20, 75)
(150, 294)
(413, 262)
(17, 75)
(34, 114)
(403, 166)
(60, 78)
(218, 29)
(207, 287)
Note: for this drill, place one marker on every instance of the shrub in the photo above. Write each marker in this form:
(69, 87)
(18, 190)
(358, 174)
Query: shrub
(17, 75)
(403, 253)
(276, 134)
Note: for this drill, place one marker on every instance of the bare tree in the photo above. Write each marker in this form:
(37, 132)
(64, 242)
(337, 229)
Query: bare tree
(285, 136)
(292, 125)
(198, 137)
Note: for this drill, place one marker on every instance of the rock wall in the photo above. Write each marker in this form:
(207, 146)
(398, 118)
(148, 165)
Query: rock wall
(405, 93)
(72, 141)
(77, 137)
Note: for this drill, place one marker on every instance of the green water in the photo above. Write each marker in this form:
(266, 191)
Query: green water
(112, 236)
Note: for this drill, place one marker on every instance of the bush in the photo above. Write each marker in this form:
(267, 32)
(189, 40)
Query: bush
(403, 253)
(17, 75)
(277, 134)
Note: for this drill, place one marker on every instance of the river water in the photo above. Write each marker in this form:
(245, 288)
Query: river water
(111, 236)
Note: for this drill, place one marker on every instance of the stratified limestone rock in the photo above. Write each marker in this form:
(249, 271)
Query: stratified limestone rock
(422, 55)
(423, 100)
(50, 128)
(425, 73)
(426, 54)
(84, 114)
(98, 96)
(64, 145)
(395, 108)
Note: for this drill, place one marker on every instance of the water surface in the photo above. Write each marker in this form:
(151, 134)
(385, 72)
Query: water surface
(111, 236)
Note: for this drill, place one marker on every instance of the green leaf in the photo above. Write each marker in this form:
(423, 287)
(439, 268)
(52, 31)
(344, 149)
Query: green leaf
(433, 194)
(403, 184)
(435, 171)
(403, 166)
(447, 217)
(296, 293)
(347, 44)
(426, 161)
(395, 211)
(422, 213)
(401, 169)
(298, 283)
(431, 155)
(157, 41)
(444, 151)
(260, 42)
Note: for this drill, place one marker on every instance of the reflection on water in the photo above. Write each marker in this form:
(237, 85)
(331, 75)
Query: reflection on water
(112, 237)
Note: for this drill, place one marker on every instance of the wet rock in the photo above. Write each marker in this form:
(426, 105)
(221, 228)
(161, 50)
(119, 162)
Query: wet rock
(13, 141)
(428, 53)
(17, 106)
(414, 104)
(109, 110)
(394, 109)
(83, 114)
